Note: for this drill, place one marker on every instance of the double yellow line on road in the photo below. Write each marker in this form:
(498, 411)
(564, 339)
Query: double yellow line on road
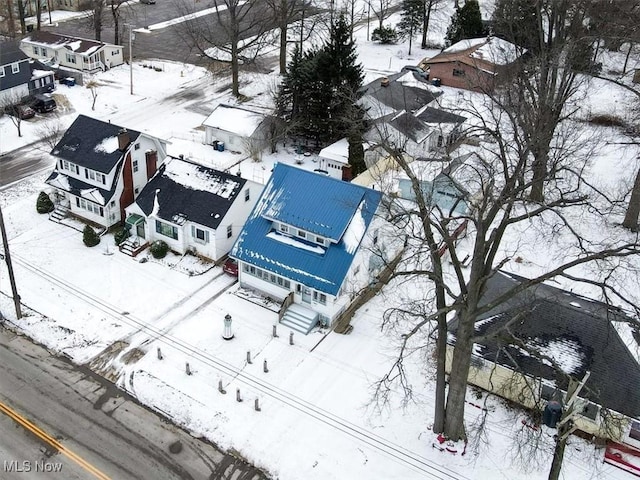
(19, 419)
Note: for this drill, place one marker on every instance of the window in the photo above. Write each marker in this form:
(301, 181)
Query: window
(302, 234)
(15, 68)
(137, 190)
(136, 146)
(114, 52)
(36, 50)
(375, 237)
(284, 228)
(635, 431)
(112, 204)
(320, 240)
(89, 206)
(43, 51)
(246, 195)
(458, 72)
(1, 72)
(135, 166)
(200, 236)
(267, 276)
(71, 58)
(166, 230)
(440, 140)
(321, 298)
(229, 231)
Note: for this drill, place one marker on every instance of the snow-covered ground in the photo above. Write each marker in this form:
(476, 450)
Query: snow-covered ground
(318, 419)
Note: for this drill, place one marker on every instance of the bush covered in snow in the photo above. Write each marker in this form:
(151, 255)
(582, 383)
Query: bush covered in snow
(385, 35)
(159, 249)
(89, 236)
(44, 203)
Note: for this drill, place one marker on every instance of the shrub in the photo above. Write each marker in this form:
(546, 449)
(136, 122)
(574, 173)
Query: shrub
(385, 35)
(44, 203)
(120, 235)
(159, 249)
(89, 237)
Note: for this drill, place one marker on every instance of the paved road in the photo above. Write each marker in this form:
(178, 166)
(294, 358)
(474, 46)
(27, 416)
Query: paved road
(69, 419)
(24, 162)
(164, 43)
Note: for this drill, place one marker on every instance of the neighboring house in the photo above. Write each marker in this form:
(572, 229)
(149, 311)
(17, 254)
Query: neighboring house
(14, 73)
(449, 186)
(71, 52)
(404, 91)
(100, 170)
(578, 334)
(473, 64)
(192, 208)
(333, 160)
(314, 242)
(238, 128)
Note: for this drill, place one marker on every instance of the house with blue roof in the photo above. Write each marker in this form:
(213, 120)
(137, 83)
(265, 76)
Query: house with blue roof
(313, 241)
(100, 169)
(192, 207)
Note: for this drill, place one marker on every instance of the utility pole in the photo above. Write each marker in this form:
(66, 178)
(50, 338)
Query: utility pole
(566, 425)
(130, 56)
(7, 256)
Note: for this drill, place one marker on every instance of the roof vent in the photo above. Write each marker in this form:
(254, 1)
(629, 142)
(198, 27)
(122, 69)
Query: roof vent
(384, 82)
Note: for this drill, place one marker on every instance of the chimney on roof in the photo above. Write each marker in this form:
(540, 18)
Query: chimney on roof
(384, 82)
(181, 157)
(123, 139)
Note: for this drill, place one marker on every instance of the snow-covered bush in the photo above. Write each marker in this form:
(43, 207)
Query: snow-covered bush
(159, 249)
(44, 203)
(89, 236)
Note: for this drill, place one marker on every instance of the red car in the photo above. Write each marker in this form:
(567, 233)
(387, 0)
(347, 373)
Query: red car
(230, 266)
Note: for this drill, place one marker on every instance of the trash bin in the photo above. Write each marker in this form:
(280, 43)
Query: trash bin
(221, 146)
(436, 82)
(215, 145)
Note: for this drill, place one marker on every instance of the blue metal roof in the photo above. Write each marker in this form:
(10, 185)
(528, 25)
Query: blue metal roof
(329, 207)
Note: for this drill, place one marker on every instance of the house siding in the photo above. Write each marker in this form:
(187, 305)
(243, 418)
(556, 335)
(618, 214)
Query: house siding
(526, 391)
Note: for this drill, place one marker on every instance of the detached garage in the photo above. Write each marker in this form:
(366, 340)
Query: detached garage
(239, 128)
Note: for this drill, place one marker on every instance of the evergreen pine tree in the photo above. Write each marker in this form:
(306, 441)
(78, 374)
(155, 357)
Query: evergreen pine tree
(515, 21)
(465, 23)
(44, 203)
(410, 19)
(89, 236)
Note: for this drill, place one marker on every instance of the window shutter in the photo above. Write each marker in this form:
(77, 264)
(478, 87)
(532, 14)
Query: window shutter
(77, 170)
(101, 212)
(206, 236)
(77, 201)
(158, 226)
(175, 233)
(193, 231)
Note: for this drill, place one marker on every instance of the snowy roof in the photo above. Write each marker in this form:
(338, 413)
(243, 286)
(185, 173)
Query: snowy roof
(319, 204)
(92, 143)
(10, 53)
(337, 151)
(405, 91)
(191, 192)
(575, 331)
(236, 120)
(491, 50)
(82, 46)
(79, 188)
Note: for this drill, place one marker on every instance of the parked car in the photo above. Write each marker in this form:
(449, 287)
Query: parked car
(21, 111)
(230, 266)
(416, 69)
(43, 103)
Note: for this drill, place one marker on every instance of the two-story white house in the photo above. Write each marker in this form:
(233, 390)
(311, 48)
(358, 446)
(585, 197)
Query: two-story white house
(72, 52)
(314, 240)
(192, 208)
(100, 169)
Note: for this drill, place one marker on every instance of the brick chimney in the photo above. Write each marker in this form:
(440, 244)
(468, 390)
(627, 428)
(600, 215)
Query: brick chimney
(123, 139)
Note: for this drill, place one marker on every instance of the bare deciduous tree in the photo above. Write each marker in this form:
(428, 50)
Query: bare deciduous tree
(241, 30)
(284, 13)
(93, 85)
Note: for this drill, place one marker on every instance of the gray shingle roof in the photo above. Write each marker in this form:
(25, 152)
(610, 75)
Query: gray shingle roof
(190, 191)
(84, 141)
(575, 331)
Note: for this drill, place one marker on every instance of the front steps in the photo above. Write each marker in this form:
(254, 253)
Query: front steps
(132, 246)
(300, 319)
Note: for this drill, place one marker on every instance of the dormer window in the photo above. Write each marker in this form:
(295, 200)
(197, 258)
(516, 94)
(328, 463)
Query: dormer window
(283, 228)
(302, 234)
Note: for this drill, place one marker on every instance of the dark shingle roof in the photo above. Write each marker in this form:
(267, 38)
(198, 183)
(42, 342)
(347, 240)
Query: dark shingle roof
(575, 331)
(90, 143)
(398, 96)
(10, 52)
(81, 189)
(190, 191)
(82, 46)
(435, 115)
